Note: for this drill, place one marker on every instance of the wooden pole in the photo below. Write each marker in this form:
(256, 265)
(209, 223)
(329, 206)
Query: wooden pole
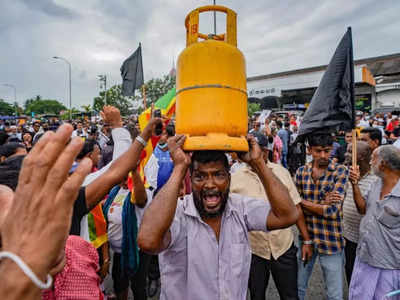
(354, 148)
(144, 96)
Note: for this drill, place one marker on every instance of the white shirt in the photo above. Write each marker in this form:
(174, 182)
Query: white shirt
(82, 134)
(114, 229)
(397, 143)
(122, 141)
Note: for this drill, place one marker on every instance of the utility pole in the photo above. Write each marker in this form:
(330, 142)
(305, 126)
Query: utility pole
(215, 21)
(103, 80)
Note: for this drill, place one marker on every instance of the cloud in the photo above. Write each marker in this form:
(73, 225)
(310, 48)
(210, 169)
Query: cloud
(96, 36)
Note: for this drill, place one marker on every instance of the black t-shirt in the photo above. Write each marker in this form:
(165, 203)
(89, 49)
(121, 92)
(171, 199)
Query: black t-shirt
(80, 210)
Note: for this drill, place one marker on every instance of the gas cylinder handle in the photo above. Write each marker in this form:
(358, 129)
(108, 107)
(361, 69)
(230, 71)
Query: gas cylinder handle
(192, 25)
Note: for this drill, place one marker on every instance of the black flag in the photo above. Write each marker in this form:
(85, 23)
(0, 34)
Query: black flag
(132, 73)
(332, 106)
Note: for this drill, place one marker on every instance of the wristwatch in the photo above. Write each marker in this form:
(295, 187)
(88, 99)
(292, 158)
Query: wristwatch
(309, 242)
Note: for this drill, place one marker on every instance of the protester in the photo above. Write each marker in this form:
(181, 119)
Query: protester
(372, 136)
(130, 265)
(377, 268)
(79, 131)
(321, 185)
(204, 249)
(284, 135)
(339, 155)
(11, 149)
(351, 217)
(157, 171)
(272, 252)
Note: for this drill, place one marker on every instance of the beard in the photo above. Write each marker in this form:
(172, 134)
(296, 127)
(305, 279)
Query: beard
(376, 171)
(199, 203)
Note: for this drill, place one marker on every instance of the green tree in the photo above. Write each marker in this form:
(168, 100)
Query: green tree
(87, 108)
(115, 98)
(6, 109)
(155, 88)
(43, 106)
(18, 110)
(252, 108)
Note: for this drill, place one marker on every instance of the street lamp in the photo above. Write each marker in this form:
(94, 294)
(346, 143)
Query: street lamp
(15, 94)
(69, 69)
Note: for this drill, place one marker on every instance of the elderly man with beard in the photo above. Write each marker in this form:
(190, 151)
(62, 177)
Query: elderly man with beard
(203, 239)
(321, 185)
(377, 267)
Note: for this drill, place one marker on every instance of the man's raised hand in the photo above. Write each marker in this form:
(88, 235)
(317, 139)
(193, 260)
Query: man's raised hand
(179, 157)
(39, 219)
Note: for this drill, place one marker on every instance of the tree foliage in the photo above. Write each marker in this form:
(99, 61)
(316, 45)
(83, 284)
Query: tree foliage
(252, 108)
(155, 88)
(115, 98)
(38, 105)
(6, 109)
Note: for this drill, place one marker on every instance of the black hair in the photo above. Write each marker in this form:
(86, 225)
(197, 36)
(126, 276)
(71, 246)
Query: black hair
(374, 133)
(3, 137)
(170, 129)
(320, 139)
(9, 171)
(134, 132)
(10, 148)
(36, 138)
(396, 132)
(88, 147)
(287, 124)
(207, 156)
(279, 124)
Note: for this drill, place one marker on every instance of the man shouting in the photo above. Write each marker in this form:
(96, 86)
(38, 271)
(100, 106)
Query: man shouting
(203, 240)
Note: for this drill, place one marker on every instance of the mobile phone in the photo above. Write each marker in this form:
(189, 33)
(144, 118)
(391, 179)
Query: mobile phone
(159, 126)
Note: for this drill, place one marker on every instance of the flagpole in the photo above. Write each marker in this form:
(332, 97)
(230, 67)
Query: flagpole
(353, 132)
(144, 96)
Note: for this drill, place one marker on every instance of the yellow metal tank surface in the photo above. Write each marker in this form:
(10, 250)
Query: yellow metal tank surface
(211, 101)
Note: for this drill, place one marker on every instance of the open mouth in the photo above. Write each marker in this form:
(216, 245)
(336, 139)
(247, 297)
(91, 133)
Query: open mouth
(212, 201)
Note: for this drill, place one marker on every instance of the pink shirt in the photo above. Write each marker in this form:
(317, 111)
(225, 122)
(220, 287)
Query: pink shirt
(78, 279)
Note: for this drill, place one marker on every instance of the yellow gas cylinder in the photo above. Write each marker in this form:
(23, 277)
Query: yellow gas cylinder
(211, 94)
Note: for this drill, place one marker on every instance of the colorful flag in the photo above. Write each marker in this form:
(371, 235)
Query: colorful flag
(167, 106)
(97, 226)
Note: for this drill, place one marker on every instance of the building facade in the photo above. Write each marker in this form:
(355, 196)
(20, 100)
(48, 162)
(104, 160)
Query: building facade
(377, 85)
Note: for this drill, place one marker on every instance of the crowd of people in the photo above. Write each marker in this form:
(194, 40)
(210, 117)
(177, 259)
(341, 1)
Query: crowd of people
(77, 204)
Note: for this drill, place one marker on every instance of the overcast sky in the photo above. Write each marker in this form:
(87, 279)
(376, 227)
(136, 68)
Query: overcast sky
(97, 35)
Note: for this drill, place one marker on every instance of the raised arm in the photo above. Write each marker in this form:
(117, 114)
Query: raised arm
(283, 211)
(139, 189)
(154, 235)
(354, 177)
(119, 168)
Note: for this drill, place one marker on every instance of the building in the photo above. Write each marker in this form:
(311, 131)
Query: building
(377, 85)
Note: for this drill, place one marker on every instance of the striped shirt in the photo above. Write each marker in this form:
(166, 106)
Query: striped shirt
(327, 230)
(351, 217)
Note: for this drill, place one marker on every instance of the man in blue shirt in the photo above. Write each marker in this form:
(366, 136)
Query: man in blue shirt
(283, 134)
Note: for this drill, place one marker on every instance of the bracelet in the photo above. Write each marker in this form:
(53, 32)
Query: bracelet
(309, 242)
(28, 271)
(141, 140)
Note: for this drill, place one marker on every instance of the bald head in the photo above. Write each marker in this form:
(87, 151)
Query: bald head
(363, 153)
